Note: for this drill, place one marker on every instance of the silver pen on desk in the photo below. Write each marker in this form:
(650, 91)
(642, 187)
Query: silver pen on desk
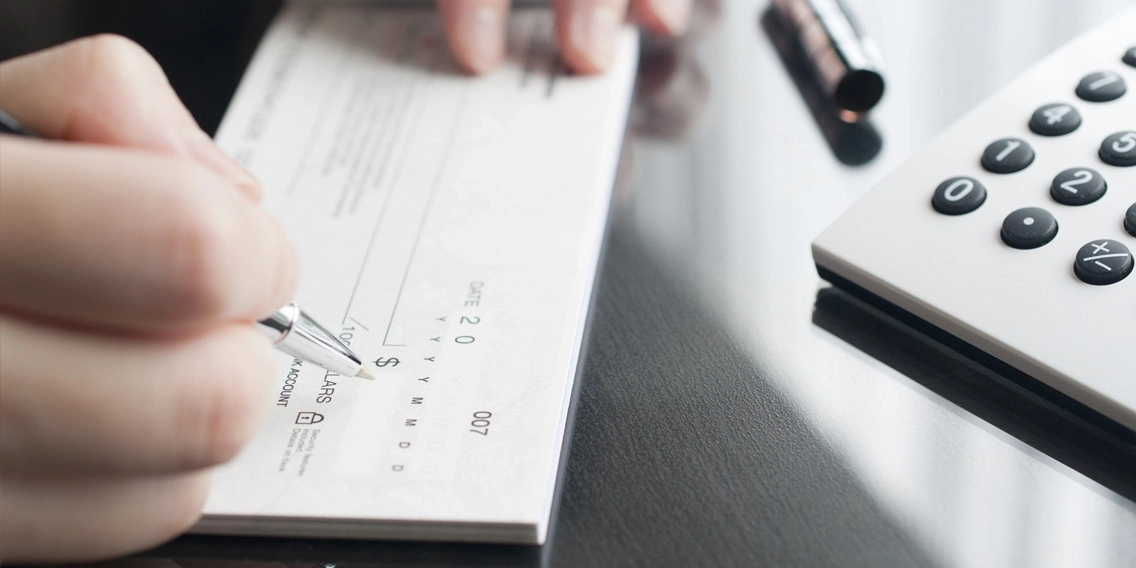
(290, 329)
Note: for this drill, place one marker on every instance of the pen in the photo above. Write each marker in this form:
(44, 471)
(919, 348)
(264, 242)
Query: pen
(290, 329)
(845, 61)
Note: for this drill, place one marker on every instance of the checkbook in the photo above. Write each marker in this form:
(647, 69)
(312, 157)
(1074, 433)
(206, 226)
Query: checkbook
(450, 228)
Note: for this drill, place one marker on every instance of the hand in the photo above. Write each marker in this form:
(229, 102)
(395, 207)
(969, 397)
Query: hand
(132, 259)
(585, 29)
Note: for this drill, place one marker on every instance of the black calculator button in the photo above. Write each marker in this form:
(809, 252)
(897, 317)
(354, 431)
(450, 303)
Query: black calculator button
(1078, 186)
(1029, 228)
(1055, 119)
(1119, 149)
(1130, 220)
(1130, 56)
(1100, 87)
(1103, 262)
(1007, 156)
(958, 196)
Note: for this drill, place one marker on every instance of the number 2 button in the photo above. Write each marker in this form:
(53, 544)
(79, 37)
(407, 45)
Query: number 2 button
(1078, 186)
(1007, 156)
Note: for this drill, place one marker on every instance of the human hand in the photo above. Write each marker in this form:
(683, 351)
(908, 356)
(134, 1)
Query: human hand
(585, 29)
(132, 260)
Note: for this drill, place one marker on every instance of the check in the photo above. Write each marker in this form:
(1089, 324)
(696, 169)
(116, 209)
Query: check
(450, 229)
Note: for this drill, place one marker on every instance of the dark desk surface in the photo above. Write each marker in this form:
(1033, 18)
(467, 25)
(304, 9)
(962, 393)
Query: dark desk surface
(734, 410)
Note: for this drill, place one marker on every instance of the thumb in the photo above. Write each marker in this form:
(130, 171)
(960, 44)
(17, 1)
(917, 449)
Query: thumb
(107, 89)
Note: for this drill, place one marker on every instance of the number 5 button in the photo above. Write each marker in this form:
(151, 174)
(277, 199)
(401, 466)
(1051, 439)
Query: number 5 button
(1119, 149)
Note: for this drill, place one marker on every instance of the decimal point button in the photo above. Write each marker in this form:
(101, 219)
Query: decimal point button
(1029, 228)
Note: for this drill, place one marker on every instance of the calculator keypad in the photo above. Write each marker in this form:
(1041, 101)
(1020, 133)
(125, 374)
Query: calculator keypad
(1099, 262)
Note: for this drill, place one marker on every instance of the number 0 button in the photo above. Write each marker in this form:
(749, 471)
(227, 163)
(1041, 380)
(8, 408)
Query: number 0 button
(1007, 156)
(958, 196)
(1029, 228)
(1103, 262)
(1119, 149)
(1078, 186)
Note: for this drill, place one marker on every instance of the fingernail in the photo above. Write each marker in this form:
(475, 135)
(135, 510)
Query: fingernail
(202, 148)
(674, 14)
(483, 39)
(593, 35)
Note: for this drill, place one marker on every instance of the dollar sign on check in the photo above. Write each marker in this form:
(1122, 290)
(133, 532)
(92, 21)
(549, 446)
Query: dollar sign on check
(381, 362)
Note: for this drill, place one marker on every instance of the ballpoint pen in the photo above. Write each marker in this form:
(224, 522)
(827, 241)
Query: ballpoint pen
(290, 329)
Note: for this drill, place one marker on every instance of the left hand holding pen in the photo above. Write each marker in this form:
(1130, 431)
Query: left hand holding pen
(585, 29)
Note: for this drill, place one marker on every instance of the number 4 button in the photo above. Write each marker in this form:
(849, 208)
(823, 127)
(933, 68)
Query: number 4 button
(1056, 119)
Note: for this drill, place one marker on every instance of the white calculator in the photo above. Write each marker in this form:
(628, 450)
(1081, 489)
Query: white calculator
(1015, 229)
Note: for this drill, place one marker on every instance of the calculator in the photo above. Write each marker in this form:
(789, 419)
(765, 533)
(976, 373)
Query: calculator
(1014, 230)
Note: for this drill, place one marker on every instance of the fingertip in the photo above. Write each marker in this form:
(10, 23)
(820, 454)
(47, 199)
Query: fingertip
(476, 33)
(666, 18)
(587, 33)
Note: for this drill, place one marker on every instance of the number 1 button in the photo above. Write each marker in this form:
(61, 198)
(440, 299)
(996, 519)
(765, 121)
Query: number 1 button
(1007, 156)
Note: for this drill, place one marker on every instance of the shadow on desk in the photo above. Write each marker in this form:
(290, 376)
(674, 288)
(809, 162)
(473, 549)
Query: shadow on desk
(1011, 401)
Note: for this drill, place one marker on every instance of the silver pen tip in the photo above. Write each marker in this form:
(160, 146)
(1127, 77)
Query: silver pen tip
(365, 373)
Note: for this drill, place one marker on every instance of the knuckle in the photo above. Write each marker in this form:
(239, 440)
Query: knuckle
(115, 54)
(200, 253)
(228, 400)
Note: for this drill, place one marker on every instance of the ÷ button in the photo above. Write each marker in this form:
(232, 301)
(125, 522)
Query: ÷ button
(1103, 262)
